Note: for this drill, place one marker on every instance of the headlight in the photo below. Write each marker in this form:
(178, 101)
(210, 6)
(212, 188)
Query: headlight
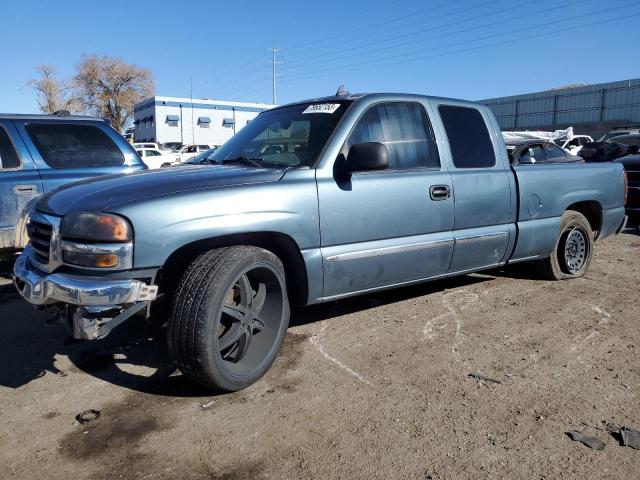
(95, 227)
(96, 241)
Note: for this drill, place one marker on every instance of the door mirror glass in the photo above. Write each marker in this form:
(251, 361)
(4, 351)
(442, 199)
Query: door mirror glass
(364, 157)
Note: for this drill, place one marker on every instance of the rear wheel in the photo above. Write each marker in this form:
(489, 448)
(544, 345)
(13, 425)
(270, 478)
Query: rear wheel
(229, 317)
(573, 250)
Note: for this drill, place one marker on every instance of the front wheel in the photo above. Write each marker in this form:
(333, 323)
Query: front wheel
(229, 317)
(573, 250)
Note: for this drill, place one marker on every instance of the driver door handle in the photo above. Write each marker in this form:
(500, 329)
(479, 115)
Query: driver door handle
(439, 192)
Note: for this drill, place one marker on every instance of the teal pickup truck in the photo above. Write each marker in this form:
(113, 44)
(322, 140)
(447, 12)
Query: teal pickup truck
(310, 202)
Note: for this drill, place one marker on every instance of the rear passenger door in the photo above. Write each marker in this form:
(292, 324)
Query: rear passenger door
(482, 188)
(19, 182)
(382, 228)
(68, 152)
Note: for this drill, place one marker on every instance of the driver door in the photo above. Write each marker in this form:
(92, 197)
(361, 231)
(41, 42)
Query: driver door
(383, 228)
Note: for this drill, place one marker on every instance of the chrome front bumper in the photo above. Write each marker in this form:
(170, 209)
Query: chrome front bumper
(40, 288)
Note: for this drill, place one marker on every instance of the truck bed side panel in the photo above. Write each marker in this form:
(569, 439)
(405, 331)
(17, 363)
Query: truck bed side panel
(546, 191)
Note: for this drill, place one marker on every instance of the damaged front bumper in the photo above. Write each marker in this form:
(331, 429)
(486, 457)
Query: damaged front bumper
(90, 306)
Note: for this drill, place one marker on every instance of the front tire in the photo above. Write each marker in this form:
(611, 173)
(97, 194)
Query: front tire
(572, 253)
(229, 317)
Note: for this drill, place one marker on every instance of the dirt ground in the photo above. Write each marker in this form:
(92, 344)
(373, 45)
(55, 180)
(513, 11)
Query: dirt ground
(372, 387)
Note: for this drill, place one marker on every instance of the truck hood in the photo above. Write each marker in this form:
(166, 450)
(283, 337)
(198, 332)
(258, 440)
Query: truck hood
(103, 193)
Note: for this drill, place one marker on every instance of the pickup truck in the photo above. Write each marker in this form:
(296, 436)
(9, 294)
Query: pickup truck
(38, 153)
(310, 202)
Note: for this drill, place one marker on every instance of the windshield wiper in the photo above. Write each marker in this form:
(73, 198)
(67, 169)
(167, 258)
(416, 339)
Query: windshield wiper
(255, 162)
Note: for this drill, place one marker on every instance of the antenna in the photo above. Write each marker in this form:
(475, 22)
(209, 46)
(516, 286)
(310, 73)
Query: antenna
(273, 74)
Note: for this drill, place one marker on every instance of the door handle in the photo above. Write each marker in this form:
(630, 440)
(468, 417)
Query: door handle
(25, 189)
(439, 192)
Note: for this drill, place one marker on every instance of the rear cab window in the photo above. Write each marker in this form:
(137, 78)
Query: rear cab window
(74, 146)
(469, 139)
(9, 159)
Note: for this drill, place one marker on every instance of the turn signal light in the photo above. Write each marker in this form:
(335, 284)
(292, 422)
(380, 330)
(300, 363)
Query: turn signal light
(95, 260)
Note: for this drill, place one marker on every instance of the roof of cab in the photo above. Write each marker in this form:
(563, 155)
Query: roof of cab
(358, 96)
(48, 117)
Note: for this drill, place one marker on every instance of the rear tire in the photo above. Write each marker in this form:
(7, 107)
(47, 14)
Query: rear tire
(229, 317)
(572, 253)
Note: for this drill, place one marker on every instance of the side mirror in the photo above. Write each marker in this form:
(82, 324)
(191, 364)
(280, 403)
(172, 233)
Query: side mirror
(364, 157)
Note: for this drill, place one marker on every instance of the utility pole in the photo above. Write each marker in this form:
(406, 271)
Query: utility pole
(193, 130)
(273, 74)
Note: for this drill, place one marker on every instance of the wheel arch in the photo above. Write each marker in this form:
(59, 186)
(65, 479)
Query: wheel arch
(592, 210)
(281, 245)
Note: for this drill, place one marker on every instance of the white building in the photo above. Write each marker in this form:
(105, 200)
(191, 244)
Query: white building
(191, 122)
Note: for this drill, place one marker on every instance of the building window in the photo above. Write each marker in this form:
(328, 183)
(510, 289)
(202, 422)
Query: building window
(172, 120)
(228, 122)
(204, 122)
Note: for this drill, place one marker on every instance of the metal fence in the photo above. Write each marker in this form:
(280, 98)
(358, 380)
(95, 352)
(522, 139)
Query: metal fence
(590, 107)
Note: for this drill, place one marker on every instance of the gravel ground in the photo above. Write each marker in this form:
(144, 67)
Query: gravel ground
(372, 387)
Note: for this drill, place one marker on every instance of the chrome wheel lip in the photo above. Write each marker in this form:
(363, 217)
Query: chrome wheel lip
(576, 250)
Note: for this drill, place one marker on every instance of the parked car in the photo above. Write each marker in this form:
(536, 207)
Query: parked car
(618, 132)
(575, 144)
(524, 151)
(138, 145)
(171, 146)
(382, 190)
(631, 165)
(189, 151)
(157, 146)
(202, 157)
(156, 158)
(631, 139)
(39, 153)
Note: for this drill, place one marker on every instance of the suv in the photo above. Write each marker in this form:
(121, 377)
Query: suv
(39, 153)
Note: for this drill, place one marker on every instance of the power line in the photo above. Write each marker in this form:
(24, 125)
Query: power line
(417, 54)
(361, 29)
(392, 29)
(431, 37)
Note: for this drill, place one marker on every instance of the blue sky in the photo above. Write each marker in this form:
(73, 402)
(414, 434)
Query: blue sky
(458, 48)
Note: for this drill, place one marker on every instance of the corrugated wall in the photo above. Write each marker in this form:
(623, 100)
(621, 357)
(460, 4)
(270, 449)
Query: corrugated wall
(588, 108)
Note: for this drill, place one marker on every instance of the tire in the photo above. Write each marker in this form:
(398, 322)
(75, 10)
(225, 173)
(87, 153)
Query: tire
(228, 317)
(573, 250)
(164, 165)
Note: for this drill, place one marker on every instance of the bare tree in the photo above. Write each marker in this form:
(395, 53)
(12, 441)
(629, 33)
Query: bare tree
(109, 88)
(53, 94)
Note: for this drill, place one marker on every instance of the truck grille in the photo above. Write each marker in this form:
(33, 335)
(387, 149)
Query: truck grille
(40, 238)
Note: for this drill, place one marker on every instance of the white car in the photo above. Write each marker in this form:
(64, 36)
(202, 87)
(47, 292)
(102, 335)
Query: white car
(157, 146)
(574, 144)
(156, 158)
(189, 151)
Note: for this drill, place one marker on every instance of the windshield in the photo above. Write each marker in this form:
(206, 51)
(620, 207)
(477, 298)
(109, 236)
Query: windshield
(288, 136)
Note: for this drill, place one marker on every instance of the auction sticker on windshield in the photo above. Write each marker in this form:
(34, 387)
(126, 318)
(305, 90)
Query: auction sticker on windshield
(322, 108)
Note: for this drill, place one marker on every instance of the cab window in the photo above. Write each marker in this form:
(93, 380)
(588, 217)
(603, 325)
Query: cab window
(403, 127)
(468, 136)
(8, 155)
